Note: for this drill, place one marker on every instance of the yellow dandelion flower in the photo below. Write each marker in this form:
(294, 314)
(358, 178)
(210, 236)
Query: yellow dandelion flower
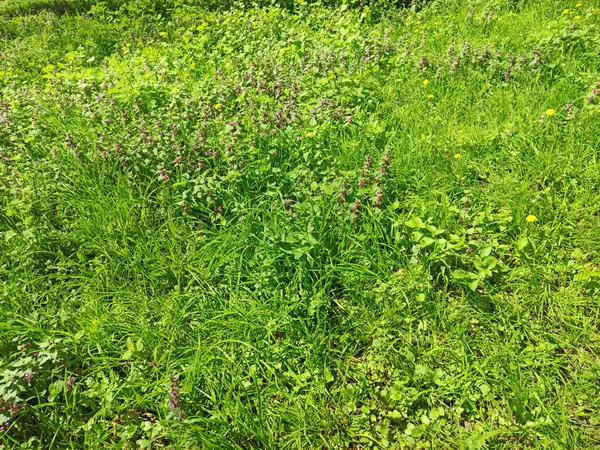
(550, 112)
(578, 5)
(457, 156)
(309, 134)
(548, 189)
(218, 106)
(425, 82)
(531, 218)
(577, 17)
(430, 96)
(566, 11)
(500, 295)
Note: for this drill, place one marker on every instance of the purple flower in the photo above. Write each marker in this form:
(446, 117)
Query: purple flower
(28, 376)
(70, 382)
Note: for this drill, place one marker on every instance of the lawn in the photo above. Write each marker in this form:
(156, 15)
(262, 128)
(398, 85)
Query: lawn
(330, 225)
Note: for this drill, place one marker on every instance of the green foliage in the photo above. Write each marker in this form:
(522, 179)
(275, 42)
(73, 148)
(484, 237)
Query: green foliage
(299, 225)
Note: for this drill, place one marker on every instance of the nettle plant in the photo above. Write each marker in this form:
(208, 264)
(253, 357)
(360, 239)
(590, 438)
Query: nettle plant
(33, 374)
(475, 253)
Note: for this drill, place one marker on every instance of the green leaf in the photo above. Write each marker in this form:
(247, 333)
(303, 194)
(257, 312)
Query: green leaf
(426, 241)
(485, 251)
(522, 242)
(485, 389)
(415, 222)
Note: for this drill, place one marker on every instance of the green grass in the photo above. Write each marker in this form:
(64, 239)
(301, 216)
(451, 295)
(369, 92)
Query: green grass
(300, 227)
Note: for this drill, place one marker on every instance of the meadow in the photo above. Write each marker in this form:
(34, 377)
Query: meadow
(299, 225)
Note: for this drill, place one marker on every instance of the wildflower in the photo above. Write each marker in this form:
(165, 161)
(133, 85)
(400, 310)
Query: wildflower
(309, 134)
(342, 195)
(578, 5)
(457, 156)
(550, 112)
(218, 106)
(569, 108)
(425, 82)
(70, 382)
(548, 189)
(500, 295)
(577, 17)
(430, 96)
(378, 199)
(28, 376)
(387, 159)
(566, 11)
(531, 218)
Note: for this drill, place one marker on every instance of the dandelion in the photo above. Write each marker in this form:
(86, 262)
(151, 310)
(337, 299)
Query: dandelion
(577, 17)
(566, 11)
(430, 96)
(578, 5)
(218, 106)
(425, 82)
(457, 156)
(548, 189)
(531, 218)
(550, 112)
(500, 295)
(309, 134)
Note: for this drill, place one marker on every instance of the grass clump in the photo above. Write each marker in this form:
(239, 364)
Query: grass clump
(306, 227)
